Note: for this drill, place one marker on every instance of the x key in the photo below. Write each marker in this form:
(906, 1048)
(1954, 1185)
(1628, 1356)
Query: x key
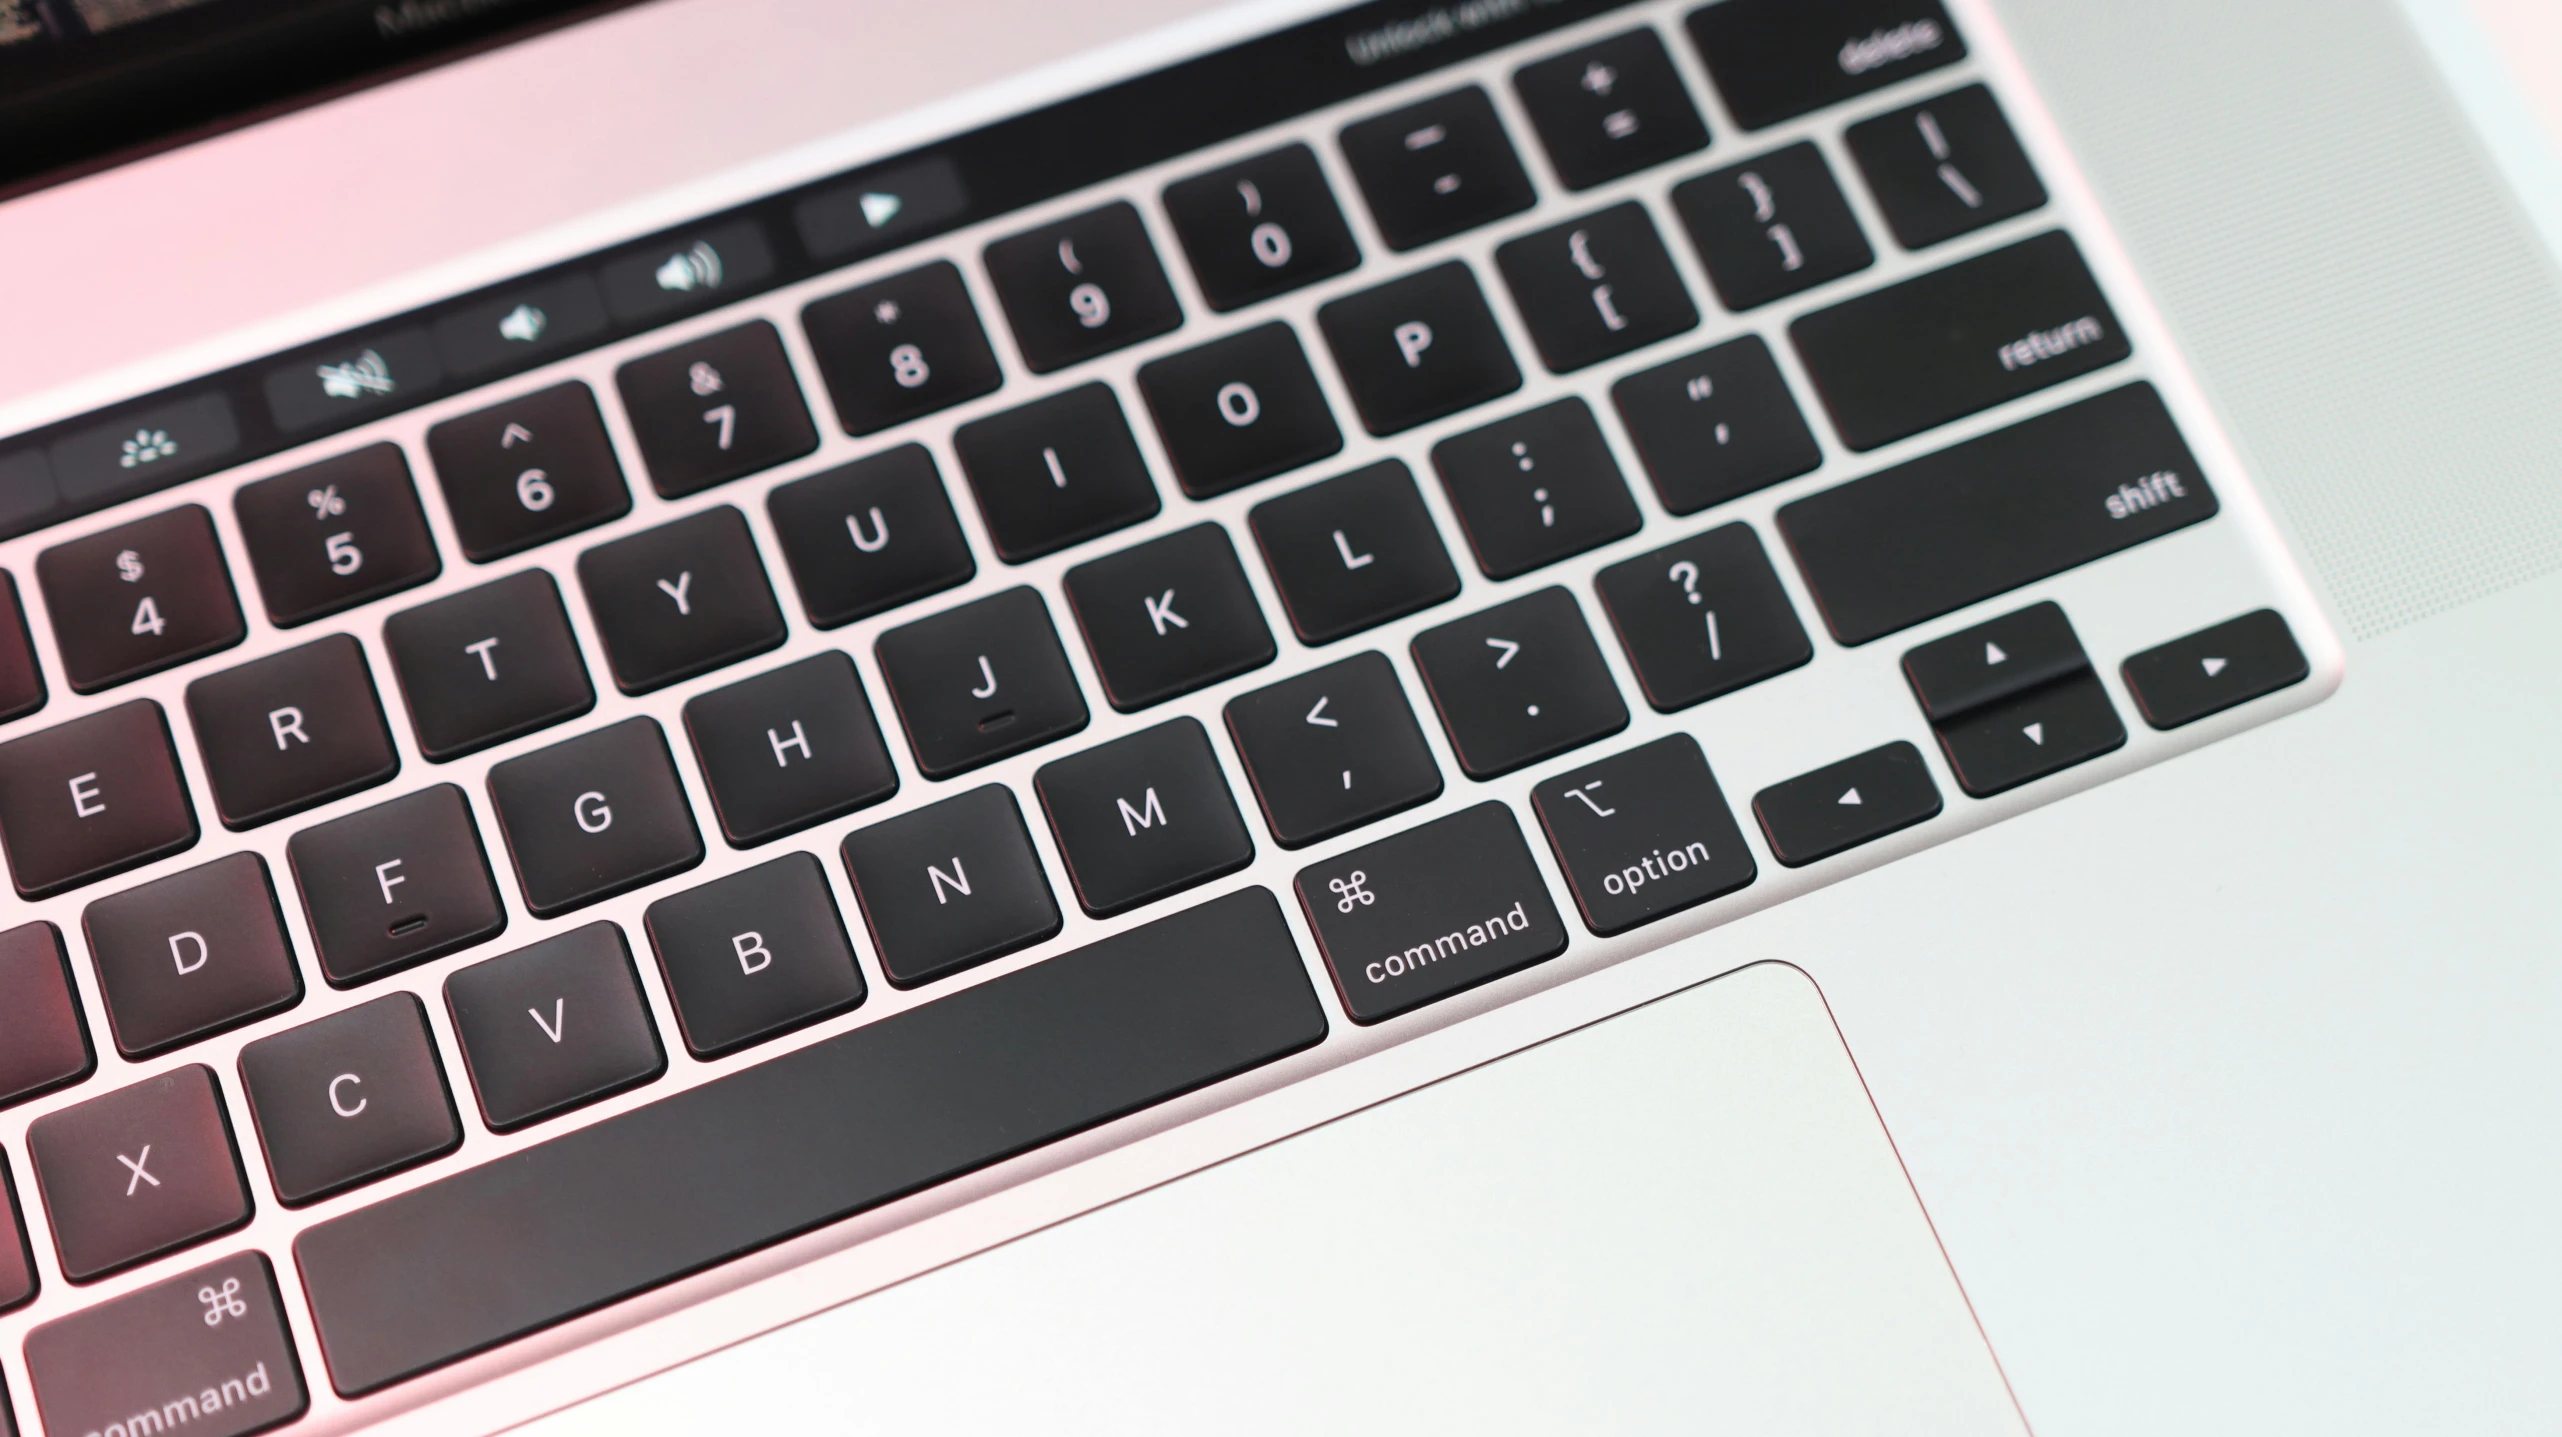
(114, 1204)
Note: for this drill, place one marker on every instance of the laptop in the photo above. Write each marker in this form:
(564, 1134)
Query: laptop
(1770, 715)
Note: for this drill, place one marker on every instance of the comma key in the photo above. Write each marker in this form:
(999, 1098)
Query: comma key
(203, 1353)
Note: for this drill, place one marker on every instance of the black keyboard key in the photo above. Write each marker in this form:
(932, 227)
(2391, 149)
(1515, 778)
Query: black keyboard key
(1841, 806)
(680, 600)
(1595, 288)
(655, 281)
(218, 1332)
(192, 954)
(1436, 167)
(291, 731)
(553, 1027)
(1332, 750)
(520, 328)
(336, 534)
(90, 798)
(352, 381)
(1433, 911)
(712, 409)
(1994, 661)
(788, 749)
(594, 816)
(43, 1043)
(1353, 552)
(754, 955)
(1945, 167)
(17, 1260)
(1056, 472)
(1772, 227)
(488, 664)
(528, 471)
(356, 1096)
(1953, 528)
(1143, 817)
(1940, 347)
(870, 536)
(143, 1170)
(1239, 409)
(22, 690)
(138, 598)
(1082, 286)
(1643, 835)
(2209, 671)
(950, 886)
(777, 1148)
(901, 348)
(1703, 617)
(2027, 737)
(1535, 488)
(1518, 683)
(1260, 227)
(1774, 60)
(1610, 108)
(1417, 348)
(980, 682)
(1715, 425)
(1169, 616)
(395, 884)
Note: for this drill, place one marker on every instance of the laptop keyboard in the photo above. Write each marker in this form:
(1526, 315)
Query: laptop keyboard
(503, 857)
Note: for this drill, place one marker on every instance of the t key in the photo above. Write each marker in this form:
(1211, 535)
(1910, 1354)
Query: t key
(529, 470)
(92, 797)
(595, 816)
(487, 665)
(138, 598)
(714, 408)
(138, 1172)
(1518, 683)
(1082, 286)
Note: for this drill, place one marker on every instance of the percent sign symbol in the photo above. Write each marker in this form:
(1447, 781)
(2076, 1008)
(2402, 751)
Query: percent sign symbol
(325, 503)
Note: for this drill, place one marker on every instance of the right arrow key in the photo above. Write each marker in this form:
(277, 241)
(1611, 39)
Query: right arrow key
(2214, 669)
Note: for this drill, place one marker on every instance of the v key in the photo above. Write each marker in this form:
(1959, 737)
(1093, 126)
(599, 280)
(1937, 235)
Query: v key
(560, 1013)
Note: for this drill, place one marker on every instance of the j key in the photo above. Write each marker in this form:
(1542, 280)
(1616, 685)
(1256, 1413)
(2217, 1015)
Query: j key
(2043, 731)
(1643, 835)
(714, 408)
(1715, 425)
(1431, 912)
(1518, 683)
(1703, 617)
(594, 816)
(754, 955)
(1239, 409)
(1915, 355)
(1353, 552)
(553, 1027)
(351, 382)
(901, 348)
(521, 328)
(1417, 348)
(870, 536)
(204, 1353)
(1056, 472)
(357, 1096)
(950, 886)
(1082, 286)
(90, 798)
(679, 600)
(1841, 806)
(1774, 60)
(1535, 488)
(1994, 661)
(1168, 617)
(43, 1044)
(1772, 226)
(1611, 108)
(1260, 227)
(977, 683)
(1143, 817)
(22, 690)
(1921, 539)
(527, 471)
(395, 884)
(290, 731)
(138, 598)
(1595, 288)
(1945, 167)
(17, 1262)
(790, 748)
(1436, 168)
(2207, 672)
(138, 1172)
(638, 1198)
(191, 954)
(1332, 750)
(336, 534)
(487, 665)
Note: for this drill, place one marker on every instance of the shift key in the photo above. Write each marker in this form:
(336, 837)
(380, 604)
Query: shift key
(202, 1354)
(1433, 911)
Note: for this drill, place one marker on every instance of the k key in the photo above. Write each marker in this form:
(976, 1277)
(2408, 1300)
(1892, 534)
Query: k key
(138, 598)
(335, 534)
(1169, 616)
(1260, 227)
(679, 600)
(553, 1027)
(528, 470)
(714, 408)
(901, 348)
(1055, 472)
(1082, 286)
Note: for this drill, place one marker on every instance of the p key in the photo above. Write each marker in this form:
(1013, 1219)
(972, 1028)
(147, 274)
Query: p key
(714, 408)
(1417, 348)
(138, 1172)
(92, 797)
(552, 1027)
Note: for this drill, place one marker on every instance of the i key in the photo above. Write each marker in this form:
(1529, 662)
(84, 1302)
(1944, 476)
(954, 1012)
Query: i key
(1418, 348)
(754, 955)
(1239, 409)
(1332, 750)
(1535, 488)
(679, 600)
(901, 348)
(1260, 227)
(784, 750)
(950, 886)
(1518, 683)
(1595, 288)
(977, 683)
(553, 1027)
(291, 731)
(1611, 108)
(1436, 167)
(487, 665)
(138, 598)
(595, 816)
(357, 1096)
(1772, 226)
(1055, 472)
(1353, 552)
(336, 534)
(1168, 617)
(1082, 286)
(90, 798)
(395, 884)
(529, 470)
(138, 1172)
(870, 536)
(1143, 817)
(714, 408)
(1703, 617)
(192, 954)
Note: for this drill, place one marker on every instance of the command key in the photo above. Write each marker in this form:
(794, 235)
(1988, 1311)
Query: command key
(203, 1354)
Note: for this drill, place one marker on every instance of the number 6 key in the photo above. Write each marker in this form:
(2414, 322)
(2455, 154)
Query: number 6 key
(528, 471)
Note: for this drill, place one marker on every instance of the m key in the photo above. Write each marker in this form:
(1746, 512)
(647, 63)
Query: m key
(1143, 817)
(594, 816)
(1168, 617)
(138, 1172)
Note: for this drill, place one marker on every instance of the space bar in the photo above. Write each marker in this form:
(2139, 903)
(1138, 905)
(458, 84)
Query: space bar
(649, 1195)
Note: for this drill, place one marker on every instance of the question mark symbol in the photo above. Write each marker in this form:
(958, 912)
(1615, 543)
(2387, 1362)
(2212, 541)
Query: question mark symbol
(1686, 574)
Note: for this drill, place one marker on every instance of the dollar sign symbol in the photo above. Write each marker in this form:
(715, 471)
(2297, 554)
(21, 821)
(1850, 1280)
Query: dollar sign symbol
(129, 565)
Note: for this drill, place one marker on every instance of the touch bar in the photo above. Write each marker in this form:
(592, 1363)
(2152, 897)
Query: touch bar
(650, 1195)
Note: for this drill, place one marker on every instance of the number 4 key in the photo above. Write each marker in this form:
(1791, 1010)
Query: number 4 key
(138, 598)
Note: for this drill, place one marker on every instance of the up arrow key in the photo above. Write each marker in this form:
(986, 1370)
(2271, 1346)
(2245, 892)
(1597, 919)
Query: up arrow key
(1849, 796)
